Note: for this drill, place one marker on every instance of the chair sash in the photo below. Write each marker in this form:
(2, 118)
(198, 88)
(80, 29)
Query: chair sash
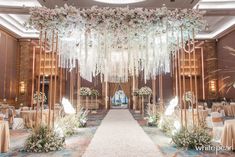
(217, 119)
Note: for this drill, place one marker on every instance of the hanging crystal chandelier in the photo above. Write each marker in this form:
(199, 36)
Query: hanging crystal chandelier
(117, 42)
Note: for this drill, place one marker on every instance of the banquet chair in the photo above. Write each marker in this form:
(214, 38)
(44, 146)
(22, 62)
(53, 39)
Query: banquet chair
(18, 123)
(217, 125)
(25, 108)
(2, 116)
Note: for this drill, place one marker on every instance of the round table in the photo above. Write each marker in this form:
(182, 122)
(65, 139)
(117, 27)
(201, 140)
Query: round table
(229, 110)
(29, 117)
(228, 135)
(4, 136)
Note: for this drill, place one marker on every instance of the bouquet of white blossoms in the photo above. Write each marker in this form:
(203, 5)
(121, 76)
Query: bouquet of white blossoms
(39, 97)
(85, 91)
(144, 91)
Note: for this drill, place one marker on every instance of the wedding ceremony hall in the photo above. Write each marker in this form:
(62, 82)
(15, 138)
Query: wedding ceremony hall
(117, 78)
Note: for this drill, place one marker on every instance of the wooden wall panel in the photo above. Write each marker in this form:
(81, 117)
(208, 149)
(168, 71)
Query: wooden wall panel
(8, 67)
(226, 64)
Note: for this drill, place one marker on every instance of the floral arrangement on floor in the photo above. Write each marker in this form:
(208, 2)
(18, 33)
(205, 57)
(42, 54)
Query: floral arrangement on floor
(43, 139)
(95, 92)
(39, 97)
(152, 115)
(145, 91)
(85, 91)
(191, 138)
(83, 117)
(166, 124)
(68, 125)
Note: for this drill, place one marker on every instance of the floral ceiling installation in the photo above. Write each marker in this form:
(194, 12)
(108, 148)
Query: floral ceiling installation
(117, 42)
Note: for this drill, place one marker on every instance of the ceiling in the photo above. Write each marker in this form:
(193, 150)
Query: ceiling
(220, 14)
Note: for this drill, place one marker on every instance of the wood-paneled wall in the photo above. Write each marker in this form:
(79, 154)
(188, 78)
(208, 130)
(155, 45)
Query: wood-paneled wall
(9, 60)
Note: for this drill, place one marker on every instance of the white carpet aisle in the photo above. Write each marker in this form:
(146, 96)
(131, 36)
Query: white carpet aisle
(119, 135)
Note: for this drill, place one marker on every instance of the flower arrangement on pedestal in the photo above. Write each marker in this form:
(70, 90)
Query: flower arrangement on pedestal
(39, 97)
(145, 91)
(153, 116)
(44, 139)
(85, 91)
(189, 98)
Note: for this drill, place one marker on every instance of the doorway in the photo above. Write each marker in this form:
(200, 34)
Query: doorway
(119, 100)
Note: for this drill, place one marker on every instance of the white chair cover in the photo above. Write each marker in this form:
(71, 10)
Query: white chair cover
(18, 123)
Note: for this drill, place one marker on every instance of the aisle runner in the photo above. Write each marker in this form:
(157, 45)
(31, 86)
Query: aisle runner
(119, 135)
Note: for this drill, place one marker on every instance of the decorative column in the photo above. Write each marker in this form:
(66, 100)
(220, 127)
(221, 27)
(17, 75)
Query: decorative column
(154, 89)
(87, 102)
(106, 96)
(133, 90)
(161, 91)
(142, 105)
(78, 106)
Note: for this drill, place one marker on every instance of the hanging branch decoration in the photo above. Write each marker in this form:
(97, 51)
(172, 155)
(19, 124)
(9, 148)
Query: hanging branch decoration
(117, 42)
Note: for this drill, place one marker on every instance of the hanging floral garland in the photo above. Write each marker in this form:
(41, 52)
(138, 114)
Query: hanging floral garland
(117, 42)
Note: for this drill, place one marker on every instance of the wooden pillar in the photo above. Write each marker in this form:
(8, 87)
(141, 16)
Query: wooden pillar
(78, 89)
(106, 96)
(195, 78)
(71, 87)
(55, 65)
(61, 82)
(133, 90)
(154, 89)
(203, 74)
(33, 77)
(176, 75)
(142, 105)
(39, 73)
(161, 91)
(183, 60)
(51, 80)
(180, 81)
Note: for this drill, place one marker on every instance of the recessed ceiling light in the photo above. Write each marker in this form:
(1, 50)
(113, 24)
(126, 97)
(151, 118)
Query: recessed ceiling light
(119, 1)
